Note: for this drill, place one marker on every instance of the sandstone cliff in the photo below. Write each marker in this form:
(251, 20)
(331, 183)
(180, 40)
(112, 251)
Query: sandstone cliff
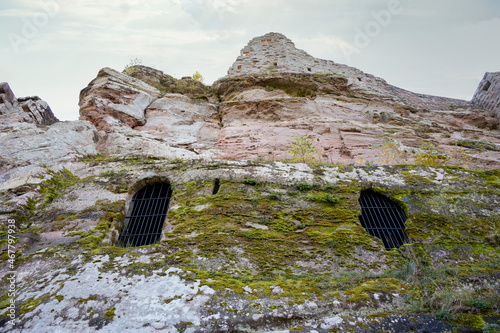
(256, 111)
(252, 242)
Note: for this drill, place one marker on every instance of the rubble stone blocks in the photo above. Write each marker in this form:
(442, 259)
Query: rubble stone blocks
(488, 93)
(6, 94)
(24, 109)
(38, 111)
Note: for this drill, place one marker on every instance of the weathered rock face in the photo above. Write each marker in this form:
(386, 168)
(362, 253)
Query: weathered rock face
(488, 93)
(258, 115)
(27, 109)
(144, 113)
(27, 148)
(275, 92)
(262, 114)
(6, 94)
(114, 96)
(31, 137)
(185, 123)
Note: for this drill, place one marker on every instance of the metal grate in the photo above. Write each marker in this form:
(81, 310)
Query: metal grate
(147, 213)
(382, 218)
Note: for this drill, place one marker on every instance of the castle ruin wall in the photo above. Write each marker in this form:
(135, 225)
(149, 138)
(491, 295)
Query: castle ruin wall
(487, 94)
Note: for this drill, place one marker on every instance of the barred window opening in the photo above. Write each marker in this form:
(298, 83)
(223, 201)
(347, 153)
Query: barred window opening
(146, 216)
(383, 219)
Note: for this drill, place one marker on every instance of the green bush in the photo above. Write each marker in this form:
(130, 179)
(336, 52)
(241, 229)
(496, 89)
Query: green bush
(330, 198)
(198, 77)
(324, 197)
(131, 67)
(303, 150)
(250, 181)
(273, 196)
(429, 155)
(304, 186)
(445, 314)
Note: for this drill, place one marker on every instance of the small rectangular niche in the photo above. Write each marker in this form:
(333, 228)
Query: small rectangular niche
(239, 66)
(216, 186)
(308, 69)
(487, 86)
(246, 53)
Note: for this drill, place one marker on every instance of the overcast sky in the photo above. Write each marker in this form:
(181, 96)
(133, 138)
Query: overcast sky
(54, 48)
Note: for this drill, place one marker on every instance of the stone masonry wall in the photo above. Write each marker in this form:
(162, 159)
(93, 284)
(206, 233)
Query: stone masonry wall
(488, 93)
(274, 53)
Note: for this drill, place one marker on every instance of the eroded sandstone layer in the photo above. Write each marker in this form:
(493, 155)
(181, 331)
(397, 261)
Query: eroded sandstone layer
(255, 112)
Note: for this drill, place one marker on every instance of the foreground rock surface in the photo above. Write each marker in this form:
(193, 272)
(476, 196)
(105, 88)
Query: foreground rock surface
(266, 253)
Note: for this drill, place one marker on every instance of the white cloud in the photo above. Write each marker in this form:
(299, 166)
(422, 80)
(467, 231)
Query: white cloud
(208, 8)
(322, 46)
(16, 12)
